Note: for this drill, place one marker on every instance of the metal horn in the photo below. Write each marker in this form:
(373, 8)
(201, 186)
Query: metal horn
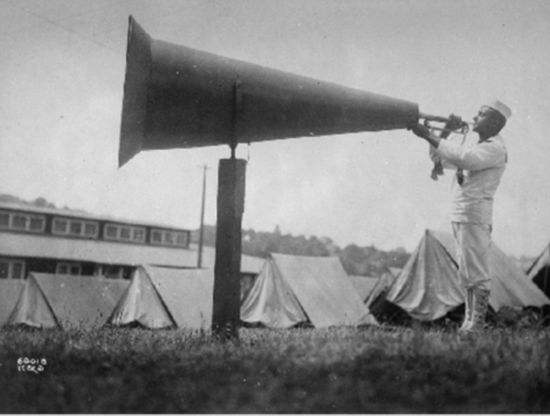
(178, 97)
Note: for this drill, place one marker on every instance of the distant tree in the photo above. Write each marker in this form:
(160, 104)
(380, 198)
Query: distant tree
(354, 253)
(316, 248)
(366, 261)
(9, 198)
(43, 203)
(38, 202)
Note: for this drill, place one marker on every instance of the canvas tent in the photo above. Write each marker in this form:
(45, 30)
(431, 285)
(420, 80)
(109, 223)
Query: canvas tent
(161, 297)
(429, 286)
(382, 285)
(539, 272)
(296, 289)
(395, 271)
(9, 292)
(49, 300)
(363, 285)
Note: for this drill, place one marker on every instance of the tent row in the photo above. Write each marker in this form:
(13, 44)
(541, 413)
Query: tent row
(289, 291)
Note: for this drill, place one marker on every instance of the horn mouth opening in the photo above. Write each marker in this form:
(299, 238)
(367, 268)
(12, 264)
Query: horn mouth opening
(136, 81)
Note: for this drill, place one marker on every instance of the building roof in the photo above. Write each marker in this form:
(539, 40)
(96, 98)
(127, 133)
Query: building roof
(106, 252)
(249, 264)
(73, 213)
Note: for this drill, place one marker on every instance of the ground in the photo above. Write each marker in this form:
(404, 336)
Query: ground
(302, 370)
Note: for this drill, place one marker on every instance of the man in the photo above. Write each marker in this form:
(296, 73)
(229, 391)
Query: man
(480, 161)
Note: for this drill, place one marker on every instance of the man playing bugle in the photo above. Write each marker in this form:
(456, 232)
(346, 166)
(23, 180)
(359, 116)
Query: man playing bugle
(479, 161)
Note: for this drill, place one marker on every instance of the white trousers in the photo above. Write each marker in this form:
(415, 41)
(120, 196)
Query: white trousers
(472, 243)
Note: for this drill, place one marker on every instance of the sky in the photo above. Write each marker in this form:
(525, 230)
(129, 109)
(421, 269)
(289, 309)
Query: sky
(62, 72)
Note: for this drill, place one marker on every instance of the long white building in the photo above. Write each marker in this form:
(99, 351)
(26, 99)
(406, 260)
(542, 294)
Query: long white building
(62, 241)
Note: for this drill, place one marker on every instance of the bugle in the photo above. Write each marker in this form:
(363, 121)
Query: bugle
(464, 126)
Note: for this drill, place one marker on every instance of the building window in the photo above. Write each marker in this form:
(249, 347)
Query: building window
(90, 229)
(124, 233)
(181, 239)
(127, 272)
(156, 236)
(4, 269)
(60, 226)
(22, 222)
(110, 232)
(138, 235)
(74, 269)
(169, 238)
(19, 222)
(17, 270)
(113, 272)
(37, 224)
(12, 269)
(62, 268)
(4, 219)
(75, 227)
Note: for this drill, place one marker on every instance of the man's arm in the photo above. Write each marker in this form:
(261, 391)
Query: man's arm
(424, 132)
(433, 140)
(483, 156)
(437, 159)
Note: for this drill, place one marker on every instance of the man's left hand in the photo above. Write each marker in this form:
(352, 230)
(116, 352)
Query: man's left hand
(454, 122)
(421, 131)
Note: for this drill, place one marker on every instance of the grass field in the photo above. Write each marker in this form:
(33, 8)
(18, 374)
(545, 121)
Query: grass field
(302, 370)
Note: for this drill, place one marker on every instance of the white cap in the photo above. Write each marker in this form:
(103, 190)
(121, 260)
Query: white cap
(501, 108)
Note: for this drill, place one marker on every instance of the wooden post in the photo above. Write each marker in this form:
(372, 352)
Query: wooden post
(230, 208)
(201, 229)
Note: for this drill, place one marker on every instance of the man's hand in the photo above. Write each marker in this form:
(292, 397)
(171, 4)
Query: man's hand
(454, 122)
(421, 131)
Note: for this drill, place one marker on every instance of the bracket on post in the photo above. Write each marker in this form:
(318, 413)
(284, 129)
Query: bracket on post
(237, 111)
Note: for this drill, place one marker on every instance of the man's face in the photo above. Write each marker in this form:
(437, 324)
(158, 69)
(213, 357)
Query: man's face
(485, 120)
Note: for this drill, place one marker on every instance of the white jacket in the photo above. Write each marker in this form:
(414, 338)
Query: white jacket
(483, 164)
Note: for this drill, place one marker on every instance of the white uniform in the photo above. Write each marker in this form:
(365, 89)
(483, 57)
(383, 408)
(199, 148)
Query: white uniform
(472, 208)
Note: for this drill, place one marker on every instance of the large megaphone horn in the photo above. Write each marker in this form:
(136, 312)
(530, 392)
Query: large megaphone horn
(177, 97)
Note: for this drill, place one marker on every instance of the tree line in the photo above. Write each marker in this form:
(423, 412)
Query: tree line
(361, 261)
